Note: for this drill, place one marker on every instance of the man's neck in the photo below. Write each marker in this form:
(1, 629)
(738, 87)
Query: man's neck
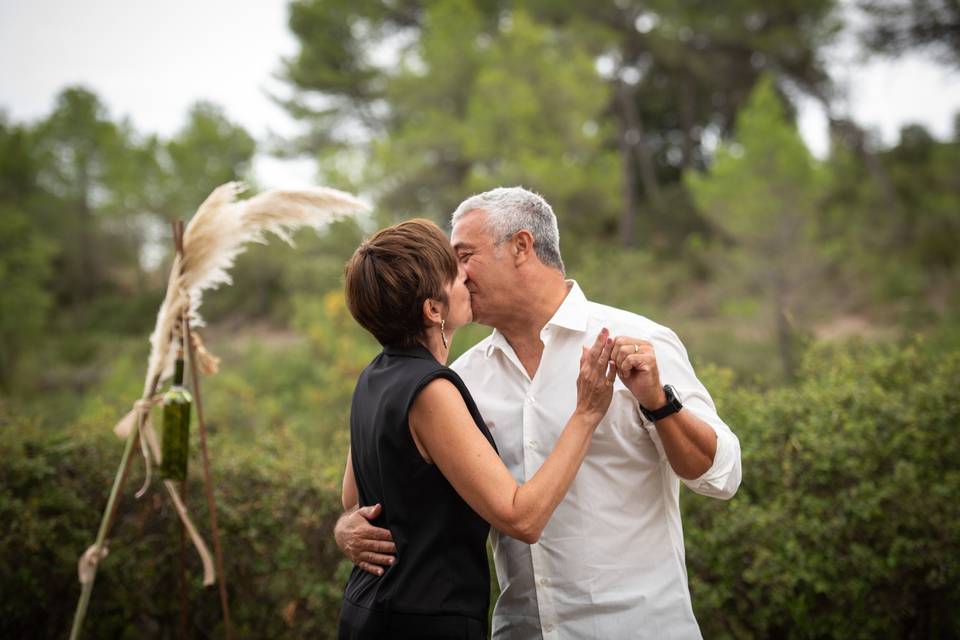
(522, 329)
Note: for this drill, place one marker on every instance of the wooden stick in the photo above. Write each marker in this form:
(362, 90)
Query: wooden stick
(184, 600)
(208, 480)
(105, 523)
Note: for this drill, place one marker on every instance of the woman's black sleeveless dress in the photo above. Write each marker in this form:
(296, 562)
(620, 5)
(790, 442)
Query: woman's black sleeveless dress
(439, 586)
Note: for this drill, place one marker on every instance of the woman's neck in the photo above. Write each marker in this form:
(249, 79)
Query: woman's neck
(434, 344)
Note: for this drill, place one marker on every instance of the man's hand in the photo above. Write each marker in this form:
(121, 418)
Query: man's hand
(637, 369)
(370, 548)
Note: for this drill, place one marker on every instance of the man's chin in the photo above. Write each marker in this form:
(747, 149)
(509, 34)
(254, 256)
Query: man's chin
(479, 319)
(476, 314)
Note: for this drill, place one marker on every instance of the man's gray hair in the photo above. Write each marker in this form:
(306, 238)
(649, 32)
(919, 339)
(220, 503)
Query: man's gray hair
(510, 209)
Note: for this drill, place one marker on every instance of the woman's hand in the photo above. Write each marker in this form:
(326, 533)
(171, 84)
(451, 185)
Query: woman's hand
(595, 382)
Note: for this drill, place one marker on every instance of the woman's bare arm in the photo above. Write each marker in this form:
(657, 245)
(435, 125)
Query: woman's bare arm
(443, 425)
(349, 495)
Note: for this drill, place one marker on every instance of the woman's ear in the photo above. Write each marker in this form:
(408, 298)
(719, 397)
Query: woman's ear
(432, 311)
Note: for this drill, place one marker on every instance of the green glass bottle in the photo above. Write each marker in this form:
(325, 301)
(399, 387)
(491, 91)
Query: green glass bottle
(176, 426)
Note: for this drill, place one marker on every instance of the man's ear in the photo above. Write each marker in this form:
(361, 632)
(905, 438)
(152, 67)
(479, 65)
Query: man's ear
(522, 247)
(432, 311)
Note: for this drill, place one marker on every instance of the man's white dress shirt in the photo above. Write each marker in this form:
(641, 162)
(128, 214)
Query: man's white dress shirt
(610, 563)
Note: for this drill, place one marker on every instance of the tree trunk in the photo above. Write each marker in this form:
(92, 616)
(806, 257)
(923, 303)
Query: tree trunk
(784, 326)
(629, 168)
(687, 118)
(854, 137)
(633, 144)
(86, 270)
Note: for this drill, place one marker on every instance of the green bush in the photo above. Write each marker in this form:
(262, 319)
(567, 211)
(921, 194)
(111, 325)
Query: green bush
(284, 572)
(847, 524)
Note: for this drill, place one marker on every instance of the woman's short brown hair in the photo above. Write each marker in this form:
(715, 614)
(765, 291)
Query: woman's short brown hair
(390, 275)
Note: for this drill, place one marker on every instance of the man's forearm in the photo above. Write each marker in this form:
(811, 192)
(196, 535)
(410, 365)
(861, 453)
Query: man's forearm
(341, 530)
(689, 443)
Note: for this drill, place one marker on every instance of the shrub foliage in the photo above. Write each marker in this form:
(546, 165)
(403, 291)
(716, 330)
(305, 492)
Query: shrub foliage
(847, 524)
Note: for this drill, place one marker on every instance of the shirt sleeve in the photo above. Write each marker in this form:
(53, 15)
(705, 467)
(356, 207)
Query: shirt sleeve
(722, 479)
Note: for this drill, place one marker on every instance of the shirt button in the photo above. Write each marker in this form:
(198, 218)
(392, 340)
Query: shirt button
(532, 443)
(548, 627)
(543, 582)
(531, 399)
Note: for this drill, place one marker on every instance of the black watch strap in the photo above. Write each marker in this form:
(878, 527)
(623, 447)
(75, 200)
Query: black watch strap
(673, 405)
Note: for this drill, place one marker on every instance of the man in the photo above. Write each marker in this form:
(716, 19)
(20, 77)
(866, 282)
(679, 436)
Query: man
(610, 563)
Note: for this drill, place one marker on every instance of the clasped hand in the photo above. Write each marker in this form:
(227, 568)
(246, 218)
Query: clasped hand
(637, 369)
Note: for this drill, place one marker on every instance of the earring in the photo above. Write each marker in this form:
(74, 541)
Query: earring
(443, 336)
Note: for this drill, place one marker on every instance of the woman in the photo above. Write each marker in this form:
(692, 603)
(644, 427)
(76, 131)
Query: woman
(420, 448)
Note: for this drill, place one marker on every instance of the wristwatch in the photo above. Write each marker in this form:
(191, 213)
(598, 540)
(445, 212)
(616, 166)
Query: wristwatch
(673, 405)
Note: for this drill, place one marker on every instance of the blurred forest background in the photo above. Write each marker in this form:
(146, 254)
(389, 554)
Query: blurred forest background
(819, 300)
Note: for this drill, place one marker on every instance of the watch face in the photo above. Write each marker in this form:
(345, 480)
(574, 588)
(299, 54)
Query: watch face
(673, 398)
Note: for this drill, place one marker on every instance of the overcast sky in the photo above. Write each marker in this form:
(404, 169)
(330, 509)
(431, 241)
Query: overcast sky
(150, 60)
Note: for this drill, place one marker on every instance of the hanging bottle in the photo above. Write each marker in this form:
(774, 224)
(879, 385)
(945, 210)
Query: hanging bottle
(176, 426)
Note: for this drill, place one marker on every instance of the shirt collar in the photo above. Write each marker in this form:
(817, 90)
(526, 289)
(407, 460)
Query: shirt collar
(497, 341)
(572, 314)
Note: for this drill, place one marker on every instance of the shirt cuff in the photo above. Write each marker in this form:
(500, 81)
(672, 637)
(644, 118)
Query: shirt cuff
(722, 479)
